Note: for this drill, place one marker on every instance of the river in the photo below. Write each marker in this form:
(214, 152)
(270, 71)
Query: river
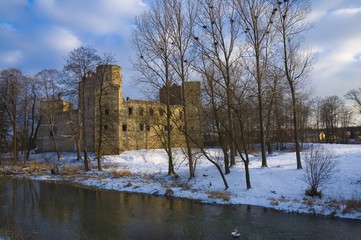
(43, 210)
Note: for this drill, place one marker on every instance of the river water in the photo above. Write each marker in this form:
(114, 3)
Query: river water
(41, 210)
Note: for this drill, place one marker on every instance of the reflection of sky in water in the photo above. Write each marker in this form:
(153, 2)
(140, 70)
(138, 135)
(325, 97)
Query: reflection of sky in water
(40, 210)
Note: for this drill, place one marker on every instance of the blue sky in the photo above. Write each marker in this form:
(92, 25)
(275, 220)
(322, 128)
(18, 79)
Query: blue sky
(38, 34)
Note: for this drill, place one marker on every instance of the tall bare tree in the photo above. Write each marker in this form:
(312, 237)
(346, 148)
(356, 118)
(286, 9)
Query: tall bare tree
(181, 15)
(105, 61)
(11, 81)
(4, 128)
(218, 40)
(293, 16)
(34, 118)
(48, 80)
(153, 44)
(79, 62)
(257, 18)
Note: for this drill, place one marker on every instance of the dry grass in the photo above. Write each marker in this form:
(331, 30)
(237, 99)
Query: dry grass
(120, 173)
(273, 201)
(283, 199)
(334, 204)
(308, 202)
(219, 195)
(352, 205)
(36, 166)
(71, 168)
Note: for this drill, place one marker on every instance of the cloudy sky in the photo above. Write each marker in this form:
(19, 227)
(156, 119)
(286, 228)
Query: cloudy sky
(38, 34)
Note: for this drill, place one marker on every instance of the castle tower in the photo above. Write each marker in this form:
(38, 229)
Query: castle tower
(108, 109)
(192, 93)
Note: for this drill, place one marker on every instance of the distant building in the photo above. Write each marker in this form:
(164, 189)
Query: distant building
(120, 124)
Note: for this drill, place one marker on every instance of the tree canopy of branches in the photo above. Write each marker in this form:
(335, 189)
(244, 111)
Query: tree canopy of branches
(355, 95)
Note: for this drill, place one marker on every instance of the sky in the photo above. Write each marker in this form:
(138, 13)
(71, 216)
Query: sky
(38, 34)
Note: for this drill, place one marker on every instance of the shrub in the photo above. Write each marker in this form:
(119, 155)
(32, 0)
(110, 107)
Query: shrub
(352, 205)
(320, 165)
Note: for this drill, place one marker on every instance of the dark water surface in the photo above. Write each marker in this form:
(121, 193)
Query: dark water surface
(40, 210)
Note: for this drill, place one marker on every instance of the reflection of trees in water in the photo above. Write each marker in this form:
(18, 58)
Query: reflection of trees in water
(58, 202)
(5, 206)
(18, 200)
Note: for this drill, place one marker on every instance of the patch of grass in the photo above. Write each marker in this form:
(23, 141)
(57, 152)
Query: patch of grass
(120, 173)
(36, 166)
(273, 201)
(219, 195)
(308, 202)
(333, 203)
(72, 168)
(68, 170)
(17, 168)
(296, 200)
(283, 199)
(352, 205)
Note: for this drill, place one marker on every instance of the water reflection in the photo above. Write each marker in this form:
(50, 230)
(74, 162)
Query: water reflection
(39, 210)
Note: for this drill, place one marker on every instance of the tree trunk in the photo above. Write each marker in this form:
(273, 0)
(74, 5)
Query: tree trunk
(295, 130)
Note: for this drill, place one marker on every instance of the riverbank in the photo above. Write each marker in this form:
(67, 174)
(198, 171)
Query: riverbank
(280, 186)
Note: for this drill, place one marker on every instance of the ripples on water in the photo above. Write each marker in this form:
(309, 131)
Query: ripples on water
(39, 210)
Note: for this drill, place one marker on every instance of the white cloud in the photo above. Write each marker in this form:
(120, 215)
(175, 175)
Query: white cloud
(336, 38)
(11, 57)
(346, 11)
(98, 16)
(62, 40)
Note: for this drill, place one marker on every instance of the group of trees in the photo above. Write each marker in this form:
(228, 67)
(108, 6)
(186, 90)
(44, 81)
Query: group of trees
(21, 95)
(253, 65)
(248, 54)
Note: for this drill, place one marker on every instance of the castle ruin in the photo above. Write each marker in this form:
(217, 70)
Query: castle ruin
(113, 124)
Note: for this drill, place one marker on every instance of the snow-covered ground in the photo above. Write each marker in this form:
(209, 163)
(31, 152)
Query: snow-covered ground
(280, 185)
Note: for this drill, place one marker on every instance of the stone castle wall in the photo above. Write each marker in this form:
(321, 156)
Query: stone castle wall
(113, 125)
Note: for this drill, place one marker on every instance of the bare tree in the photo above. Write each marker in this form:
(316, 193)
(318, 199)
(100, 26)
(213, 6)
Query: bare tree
(320, 166)
(218, 42)
(79, 62)
(345, 116)
(153, 44)
(34, 116)
(11, 81)
(4, 128)
(48, 79)
(293, 18)
(256, 17)
(355, 95)
(330, 110)
(181, 15)
(101, 75)
(29, 115)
